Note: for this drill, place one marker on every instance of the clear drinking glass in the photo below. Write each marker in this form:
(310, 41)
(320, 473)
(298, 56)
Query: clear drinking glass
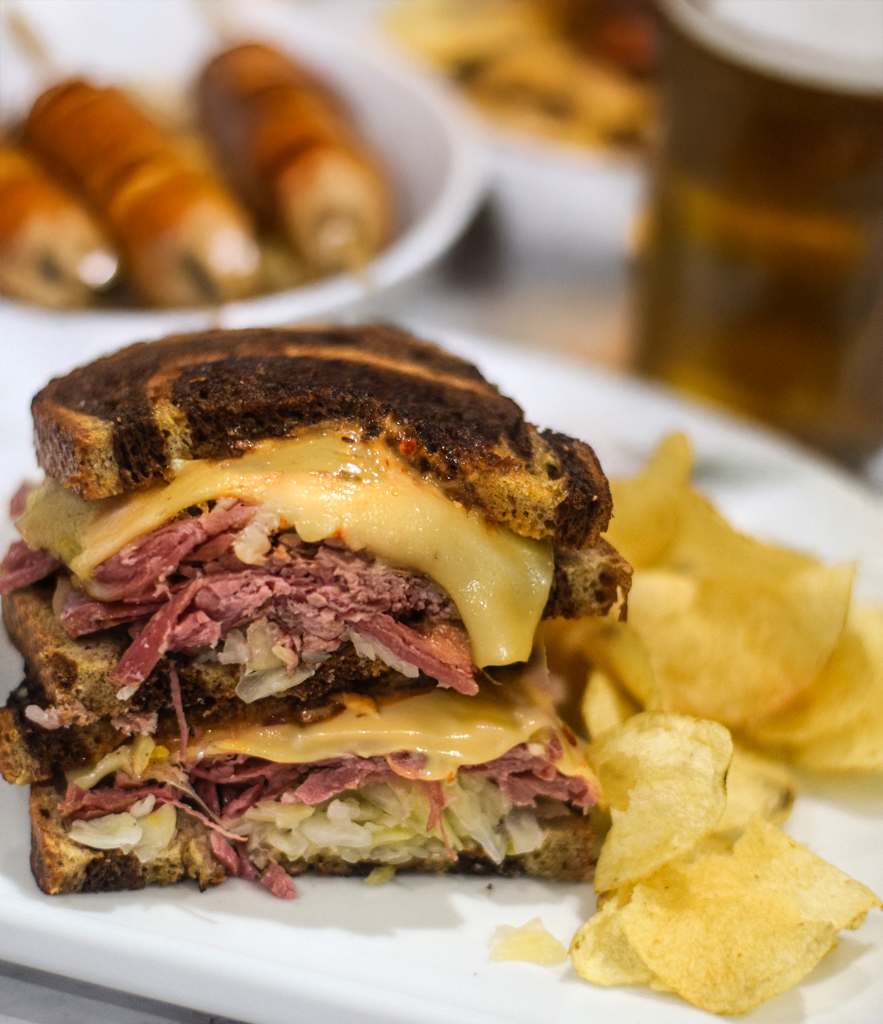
(762, 286)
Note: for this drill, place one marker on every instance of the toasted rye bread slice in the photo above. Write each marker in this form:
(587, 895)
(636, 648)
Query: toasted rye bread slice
(61, 865)
(117, 424)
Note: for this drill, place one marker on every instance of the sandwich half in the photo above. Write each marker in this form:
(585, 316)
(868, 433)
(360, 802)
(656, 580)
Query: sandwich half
(277, 598)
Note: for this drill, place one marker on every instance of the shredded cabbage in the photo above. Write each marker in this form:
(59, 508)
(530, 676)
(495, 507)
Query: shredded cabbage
(131, 758)
(109, 832)
(385, 822)
(146, 832)
(371, 649)
(253, 541)
(268, 666)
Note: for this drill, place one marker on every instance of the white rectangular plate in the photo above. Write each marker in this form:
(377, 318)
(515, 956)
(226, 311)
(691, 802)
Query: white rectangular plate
(417, 949)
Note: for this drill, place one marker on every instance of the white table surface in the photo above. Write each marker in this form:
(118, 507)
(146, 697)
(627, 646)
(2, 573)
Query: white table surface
(544, 265)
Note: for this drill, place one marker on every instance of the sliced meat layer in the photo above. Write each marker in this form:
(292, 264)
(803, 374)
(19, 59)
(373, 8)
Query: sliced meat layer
(23, 566)
(313, 594)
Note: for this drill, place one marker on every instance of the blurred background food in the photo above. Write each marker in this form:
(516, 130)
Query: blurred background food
(288, 146)
(183, 239)
(269, 184)
(52, 250)
(570, 71)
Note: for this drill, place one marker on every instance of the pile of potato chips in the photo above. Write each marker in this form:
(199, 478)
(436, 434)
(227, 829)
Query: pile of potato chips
(726, 639)
(764, 640)
(700, 894)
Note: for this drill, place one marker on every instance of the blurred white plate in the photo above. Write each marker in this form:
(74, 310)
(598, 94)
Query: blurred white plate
(416, 950)
(436, 167)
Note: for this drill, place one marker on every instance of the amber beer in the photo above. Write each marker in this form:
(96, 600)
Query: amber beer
(763, 281)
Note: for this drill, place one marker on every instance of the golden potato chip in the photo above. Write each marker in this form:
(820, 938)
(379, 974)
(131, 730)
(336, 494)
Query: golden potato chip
(531, 942)
(756, 786)
(737, 648)
(600, 951)
(663, 778)
(838, 724)
(855, 748)
(647, 513)
(575, 647)
(727, 931)
(605, 705)
(661, 522)
(705, 544)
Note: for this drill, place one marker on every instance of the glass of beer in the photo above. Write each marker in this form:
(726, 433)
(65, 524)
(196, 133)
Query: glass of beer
(762, 286)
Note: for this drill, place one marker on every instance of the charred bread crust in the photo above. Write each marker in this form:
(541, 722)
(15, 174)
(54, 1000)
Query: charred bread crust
(588, 582)
(116, 425)
(61, 865)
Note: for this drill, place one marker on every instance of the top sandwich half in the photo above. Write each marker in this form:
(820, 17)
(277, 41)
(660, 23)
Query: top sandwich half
(290, 502)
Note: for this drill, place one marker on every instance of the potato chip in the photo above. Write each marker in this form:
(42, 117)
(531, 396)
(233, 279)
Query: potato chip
(838, 724)
(756, 786)
(531, 942)
(648, 507)
(727, 931)
(663, 778)
(705, 544)
(737, 648)
(600, 951)
(575, 647)
(605, 705)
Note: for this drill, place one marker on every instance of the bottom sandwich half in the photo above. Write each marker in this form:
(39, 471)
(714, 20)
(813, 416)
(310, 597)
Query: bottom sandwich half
(430, 781)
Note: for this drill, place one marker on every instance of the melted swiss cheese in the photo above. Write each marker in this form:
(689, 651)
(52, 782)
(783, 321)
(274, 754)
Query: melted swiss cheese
(325, 485)
(451, 730)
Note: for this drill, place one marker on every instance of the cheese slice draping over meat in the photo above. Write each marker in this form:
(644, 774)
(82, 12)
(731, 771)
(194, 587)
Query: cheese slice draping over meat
(428, 736)
(448, 729)
(326, 485)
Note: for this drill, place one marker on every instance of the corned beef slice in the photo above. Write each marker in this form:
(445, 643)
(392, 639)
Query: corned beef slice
(19, 501)
(141, 568)
(23, 566)
(95, 803)
(524, 776)
(335, 777)
(277, 880)
(225, 853)
(442, 653)
(82, 615)
(312, 594)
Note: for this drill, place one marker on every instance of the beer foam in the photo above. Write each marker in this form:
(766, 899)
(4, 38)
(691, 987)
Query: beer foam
(824, 43)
